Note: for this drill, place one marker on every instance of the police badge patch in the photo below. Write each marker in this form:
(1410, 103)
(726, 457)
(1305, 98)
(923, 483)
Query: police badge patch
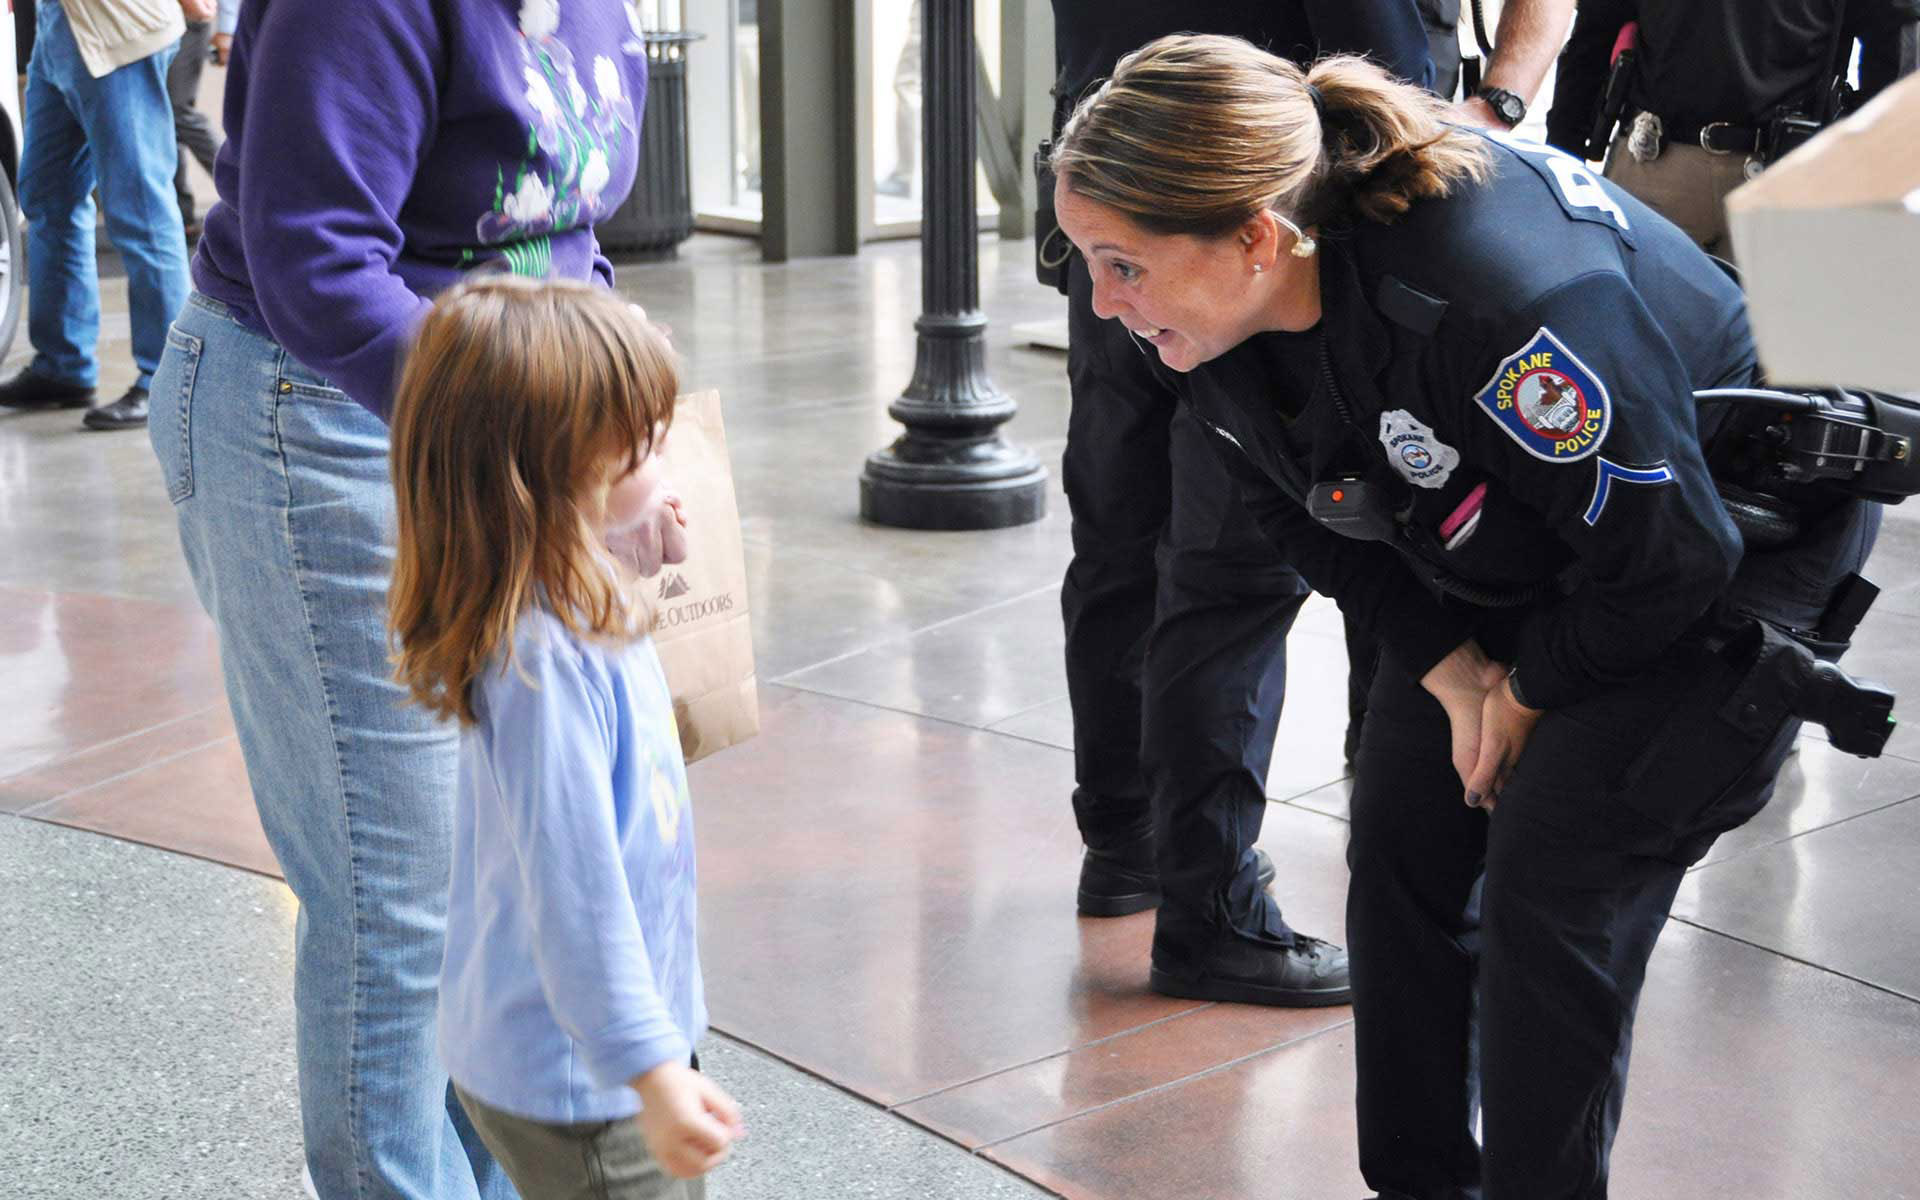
(1548, 401)
(1421, 458)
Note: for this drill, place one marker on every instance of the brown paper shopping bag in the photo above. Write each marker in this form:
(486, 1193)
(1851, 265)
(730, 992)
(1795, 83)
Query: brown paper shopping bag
(700, 624)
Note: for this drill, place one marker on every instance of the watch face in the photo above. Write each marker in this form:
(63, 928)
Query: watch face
(1506, 105)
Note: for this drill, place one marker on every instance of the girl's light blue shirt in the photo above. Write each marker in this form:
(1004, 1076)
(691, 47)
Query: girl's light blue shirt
(571, 962)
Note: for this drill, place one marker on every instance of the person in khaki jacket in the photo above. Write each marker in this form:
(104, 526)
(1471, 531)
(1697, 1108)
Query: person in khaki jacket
(98, 115)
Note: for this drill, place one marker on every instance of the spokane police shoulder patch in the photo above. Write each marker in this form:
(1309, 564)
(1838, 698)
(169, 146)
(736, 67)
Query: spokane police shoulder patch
(1548, 401)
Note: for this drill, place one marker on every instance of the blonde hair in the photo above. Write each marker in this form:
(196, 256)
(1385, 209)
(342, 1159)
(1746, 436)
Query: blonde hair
(1196, 134)
(519, 404)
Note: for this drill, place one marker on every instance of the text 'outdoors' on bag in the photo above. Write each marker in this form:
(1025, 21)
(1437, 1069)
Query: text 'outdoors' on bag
(700, 617)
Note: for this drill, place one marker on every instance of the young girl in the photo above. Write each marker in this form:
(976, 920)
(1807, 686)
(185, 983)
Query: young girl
(526, 428)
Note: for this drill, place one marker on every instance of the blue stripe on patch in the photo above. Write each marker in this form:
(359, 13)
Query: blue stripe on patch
(1610, 471)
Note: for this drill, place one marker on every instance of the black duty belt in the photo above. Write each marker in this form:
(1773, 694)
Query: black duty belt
(1715, 137)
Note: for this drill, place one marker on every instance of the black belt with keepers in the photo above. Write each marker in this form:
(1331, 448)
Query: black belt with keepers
(1715, 137)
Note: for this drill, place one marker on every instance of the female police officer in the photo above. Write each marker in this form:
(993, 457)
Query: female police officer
(1453, 376)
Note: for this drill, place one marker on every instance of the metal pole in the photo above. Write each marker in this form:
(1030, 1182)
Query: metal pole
(951, 469)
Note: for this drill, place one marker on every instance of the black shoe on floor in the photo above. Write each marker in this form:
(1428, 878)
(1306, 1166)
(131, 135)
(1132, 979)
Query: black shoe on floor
(1118, 883)
(1309, 974)
(28, 390)
(128, 412)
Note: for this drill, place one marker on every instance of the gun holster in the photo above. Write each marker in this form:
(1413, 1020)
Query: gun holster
(1613, 105)
(1792, 677)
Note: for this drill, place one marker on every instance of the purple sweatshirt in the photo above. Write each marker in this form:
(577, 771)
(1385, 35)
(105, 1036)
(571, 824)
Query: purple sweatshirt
(392, 145)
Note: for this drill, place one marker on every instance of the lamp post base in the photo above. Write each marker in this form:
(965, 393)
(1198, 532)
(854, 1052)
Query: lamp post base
(936, 483)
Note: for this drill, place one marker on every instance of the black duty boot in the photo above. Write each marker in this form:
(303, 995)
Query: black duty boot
(128, 412)
(28, 390)
(1117, 883)
(1239, 970)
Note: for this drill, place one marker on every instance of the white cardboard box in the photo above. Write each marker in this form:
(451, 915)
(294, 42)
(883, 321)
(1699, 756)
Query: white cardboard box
(1828, 240)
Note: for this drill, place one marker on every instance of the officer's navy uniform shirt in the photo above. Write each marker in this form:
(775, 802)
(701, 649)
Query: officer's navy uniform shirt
(1455, 335)
(1738, 61)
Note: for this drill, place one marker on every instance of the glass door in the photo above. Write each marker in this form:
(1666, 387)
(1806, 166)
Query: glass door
(723, 107)
(896, 90)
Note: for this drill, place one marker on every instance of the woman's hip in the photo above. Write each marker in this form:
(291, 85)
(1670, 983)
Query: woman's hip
(247, 434)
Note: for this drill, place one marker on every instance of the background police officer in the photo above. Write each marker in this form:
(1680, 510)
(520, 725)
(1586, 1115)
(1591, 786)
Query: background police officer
(1712, 90)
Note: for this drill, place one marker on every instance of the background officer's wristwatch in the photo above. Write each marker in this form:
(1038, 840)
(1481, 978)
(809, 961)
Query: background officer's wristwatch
(1510, 108)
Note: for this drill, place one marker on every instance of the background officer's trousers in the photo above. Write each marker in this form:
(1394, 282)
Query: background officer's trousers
(1498, 960)
(1685, 184)
(1173, 728)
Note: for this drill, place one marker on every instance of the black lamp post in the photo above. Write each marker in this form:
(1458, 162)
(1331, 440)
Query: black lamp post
(951, 469)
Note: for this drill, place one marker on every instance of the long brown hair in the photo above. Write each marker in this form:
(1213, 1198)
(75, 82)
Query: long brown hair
(519, 404)
(1195, 134)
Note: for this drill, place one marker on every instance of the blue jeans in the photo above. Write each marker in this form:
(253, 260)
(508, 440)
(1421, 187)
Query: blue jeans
(280, 485)
(115, 132)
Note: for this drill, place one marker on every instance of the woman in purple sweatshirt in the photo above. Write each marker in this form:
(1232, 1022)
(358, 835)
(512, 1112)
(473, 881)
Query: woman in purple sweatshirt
(377, 151)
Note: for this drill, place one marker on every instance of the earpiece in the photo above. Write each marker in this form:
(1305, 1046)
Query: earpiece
(1303, 245)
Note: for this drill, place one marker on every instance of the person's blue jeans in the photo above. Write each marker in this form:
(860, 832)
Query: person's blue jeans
(116, 133)
(286, 515)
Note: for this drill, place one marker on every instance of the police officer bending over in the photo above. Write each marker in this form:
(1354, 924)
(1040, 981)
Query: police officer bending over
(1173, 730)
(1499, 472)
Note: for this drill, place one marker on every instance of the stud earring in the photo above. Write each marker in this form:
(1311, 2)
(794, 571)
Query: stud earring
(1259, 267)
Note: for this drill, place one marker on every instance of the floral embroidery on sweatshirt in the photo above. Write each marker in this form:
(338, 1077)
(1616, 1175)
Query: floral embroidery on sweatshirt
(575, 133)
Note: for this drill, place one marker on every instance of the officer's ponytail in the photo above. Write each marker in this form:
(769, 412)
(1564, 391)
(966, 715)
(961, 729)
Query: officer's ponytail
(1195, 134)
(1386, 143)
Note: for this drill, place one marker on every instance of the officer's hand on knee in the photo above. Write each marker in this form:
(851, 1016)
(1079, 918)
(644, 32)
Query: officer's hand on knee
(1461, 682)
(1505, 726)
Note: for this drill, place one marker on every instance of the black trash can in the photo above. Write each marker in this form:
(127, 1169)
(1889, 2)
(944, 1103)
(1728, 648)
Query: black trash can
(658, 213)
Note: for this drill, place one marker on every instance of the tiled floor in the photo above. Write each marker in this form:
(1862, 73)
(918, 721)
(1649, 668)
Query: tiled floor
(146, 1049)
(888, 869)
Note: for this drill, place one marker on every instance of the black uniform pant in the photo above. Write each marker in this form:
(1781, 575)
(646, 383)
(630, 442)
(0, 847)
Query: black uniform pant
(1497, 960)
(1177, 609)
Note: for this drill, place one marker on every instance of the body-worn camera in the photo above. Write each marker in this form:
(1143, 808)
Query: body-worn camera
(1353, 508)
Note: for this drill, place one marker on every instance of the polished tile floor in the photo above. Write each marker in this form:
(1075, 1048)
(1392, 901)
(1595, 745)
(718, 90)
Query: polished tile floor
(888, 870)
